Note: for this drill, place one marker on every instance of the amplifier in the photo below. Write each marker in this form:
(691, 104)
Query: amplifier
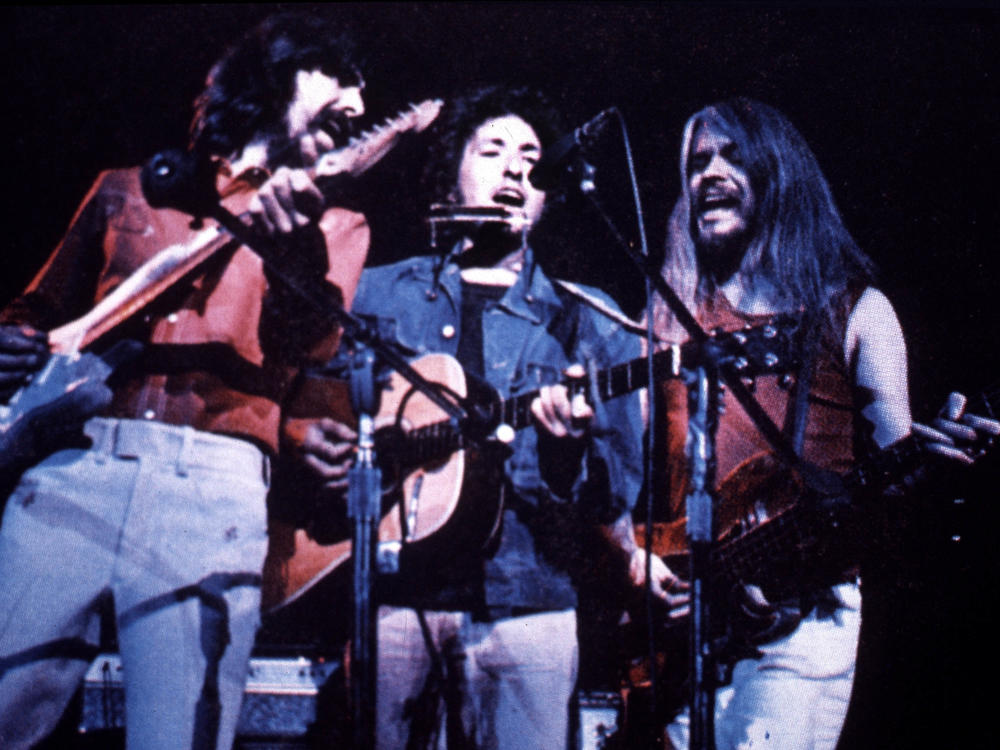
(600, 720)
(280, 698)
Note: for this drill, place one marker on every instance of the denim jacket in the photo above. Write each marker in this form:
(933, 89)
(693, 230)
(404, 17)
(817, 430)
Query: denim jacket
(529, 338)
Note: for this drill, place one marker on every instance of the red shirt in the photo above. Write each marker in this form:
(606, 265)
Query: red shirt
(220, 351)
(829, 434)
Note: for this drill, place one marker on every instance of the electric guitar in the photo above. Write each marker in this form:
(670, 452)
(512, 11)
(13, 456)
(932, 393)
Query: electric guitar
(72, 382)
(787, 539)
(443, 498)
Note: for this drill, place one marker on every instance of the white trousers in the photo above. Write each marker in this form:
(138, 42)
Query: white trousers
(796, 696)
(171, 524)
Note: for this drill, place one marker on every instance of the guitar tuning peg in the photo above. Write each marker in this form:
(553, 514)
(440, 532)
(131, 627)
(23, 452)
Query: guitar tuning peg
(749, 383)
(769, 331)
(740, 363)
(740, 338)
(786, 381)
(771, 360)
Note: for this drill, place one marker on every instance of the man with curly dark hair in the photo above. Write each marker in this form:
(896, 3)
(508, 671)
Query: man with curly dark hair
(158, 505)
(479, 646)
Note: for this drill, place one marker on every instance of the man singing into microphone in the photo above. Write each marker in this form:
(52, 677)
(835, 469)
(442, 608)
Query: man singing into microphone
(484, 651)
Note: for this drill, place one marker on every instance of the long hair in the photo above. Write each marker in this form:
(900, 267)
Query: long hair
(248, 90)
(465, 114)
(800, 243)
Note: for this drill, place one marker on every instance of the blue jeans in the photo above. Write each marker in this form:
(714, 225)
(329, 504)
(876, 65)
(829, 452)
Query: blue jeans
(506, 684)
(170, 523)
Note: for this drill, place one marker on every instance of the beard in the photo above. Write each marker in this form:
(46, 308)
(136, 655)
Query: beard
(720, 256)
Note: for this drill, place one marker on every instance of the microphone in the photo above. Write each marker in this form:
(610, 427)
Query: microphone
(557, 158)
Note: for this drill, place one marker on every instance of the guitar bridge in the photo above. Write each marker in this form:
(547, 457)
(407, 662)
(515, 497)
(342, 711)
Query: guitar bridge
(413, 505)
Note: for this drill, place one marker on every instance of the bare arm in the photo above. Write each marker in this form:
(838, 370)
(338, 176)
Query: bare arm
(874, 346)
(874, 342)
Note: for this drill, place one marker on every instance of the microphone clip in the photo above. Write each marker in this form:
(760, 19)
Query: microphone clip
(566, 156)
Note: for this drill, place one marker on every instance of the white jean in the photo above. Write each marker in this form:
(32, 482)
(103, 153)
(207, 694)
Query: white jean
(169, 522)
(796, 696)
(508, 684)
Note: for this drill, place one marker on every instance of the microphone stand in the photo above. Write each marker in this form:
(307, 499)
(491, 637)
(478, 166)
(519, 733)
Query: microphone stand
(363, 508)
(176, 180)
(704, 399)
(700, 505)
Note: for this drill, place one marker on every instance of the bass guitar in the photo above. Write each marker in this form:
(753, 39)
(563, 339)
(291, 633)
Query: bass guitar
(786, 539)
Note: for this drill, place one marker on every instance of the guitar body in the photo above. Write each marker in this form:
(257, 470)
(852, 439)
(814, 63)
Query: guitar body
(773, 533)
(781, 535)
(48, 412)
(445, 507)
(758, 493)
(427, 496)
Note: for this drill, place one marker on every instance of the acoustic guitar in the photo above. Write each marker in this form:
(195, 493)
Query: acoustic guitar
(445, 490)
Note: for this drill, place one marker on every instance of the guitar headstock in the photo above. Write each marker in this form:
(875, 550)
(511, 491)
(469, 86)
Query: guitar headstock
(969, 434)
(364, 151)
(772, 348)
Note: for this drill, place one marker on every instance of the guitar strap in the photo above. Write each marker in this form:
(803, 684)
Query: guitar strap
(797, 414)
(623, 320)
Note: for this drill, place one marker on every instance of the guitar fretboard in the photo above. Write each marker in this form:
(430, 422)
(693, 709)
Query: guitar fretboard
(609, 383)
(762, 350)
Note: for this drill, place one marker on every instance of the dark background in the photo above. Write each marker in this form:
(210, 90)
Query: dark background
(899, 104)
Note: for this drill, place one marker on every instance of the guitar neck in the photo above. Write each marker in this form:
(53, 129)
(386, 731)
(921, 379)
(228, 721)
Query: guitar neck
(765, 349)
(144, 285)
(903, 457)
(438, 439)
(365, 150)
(168, 266)
(617, 380)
